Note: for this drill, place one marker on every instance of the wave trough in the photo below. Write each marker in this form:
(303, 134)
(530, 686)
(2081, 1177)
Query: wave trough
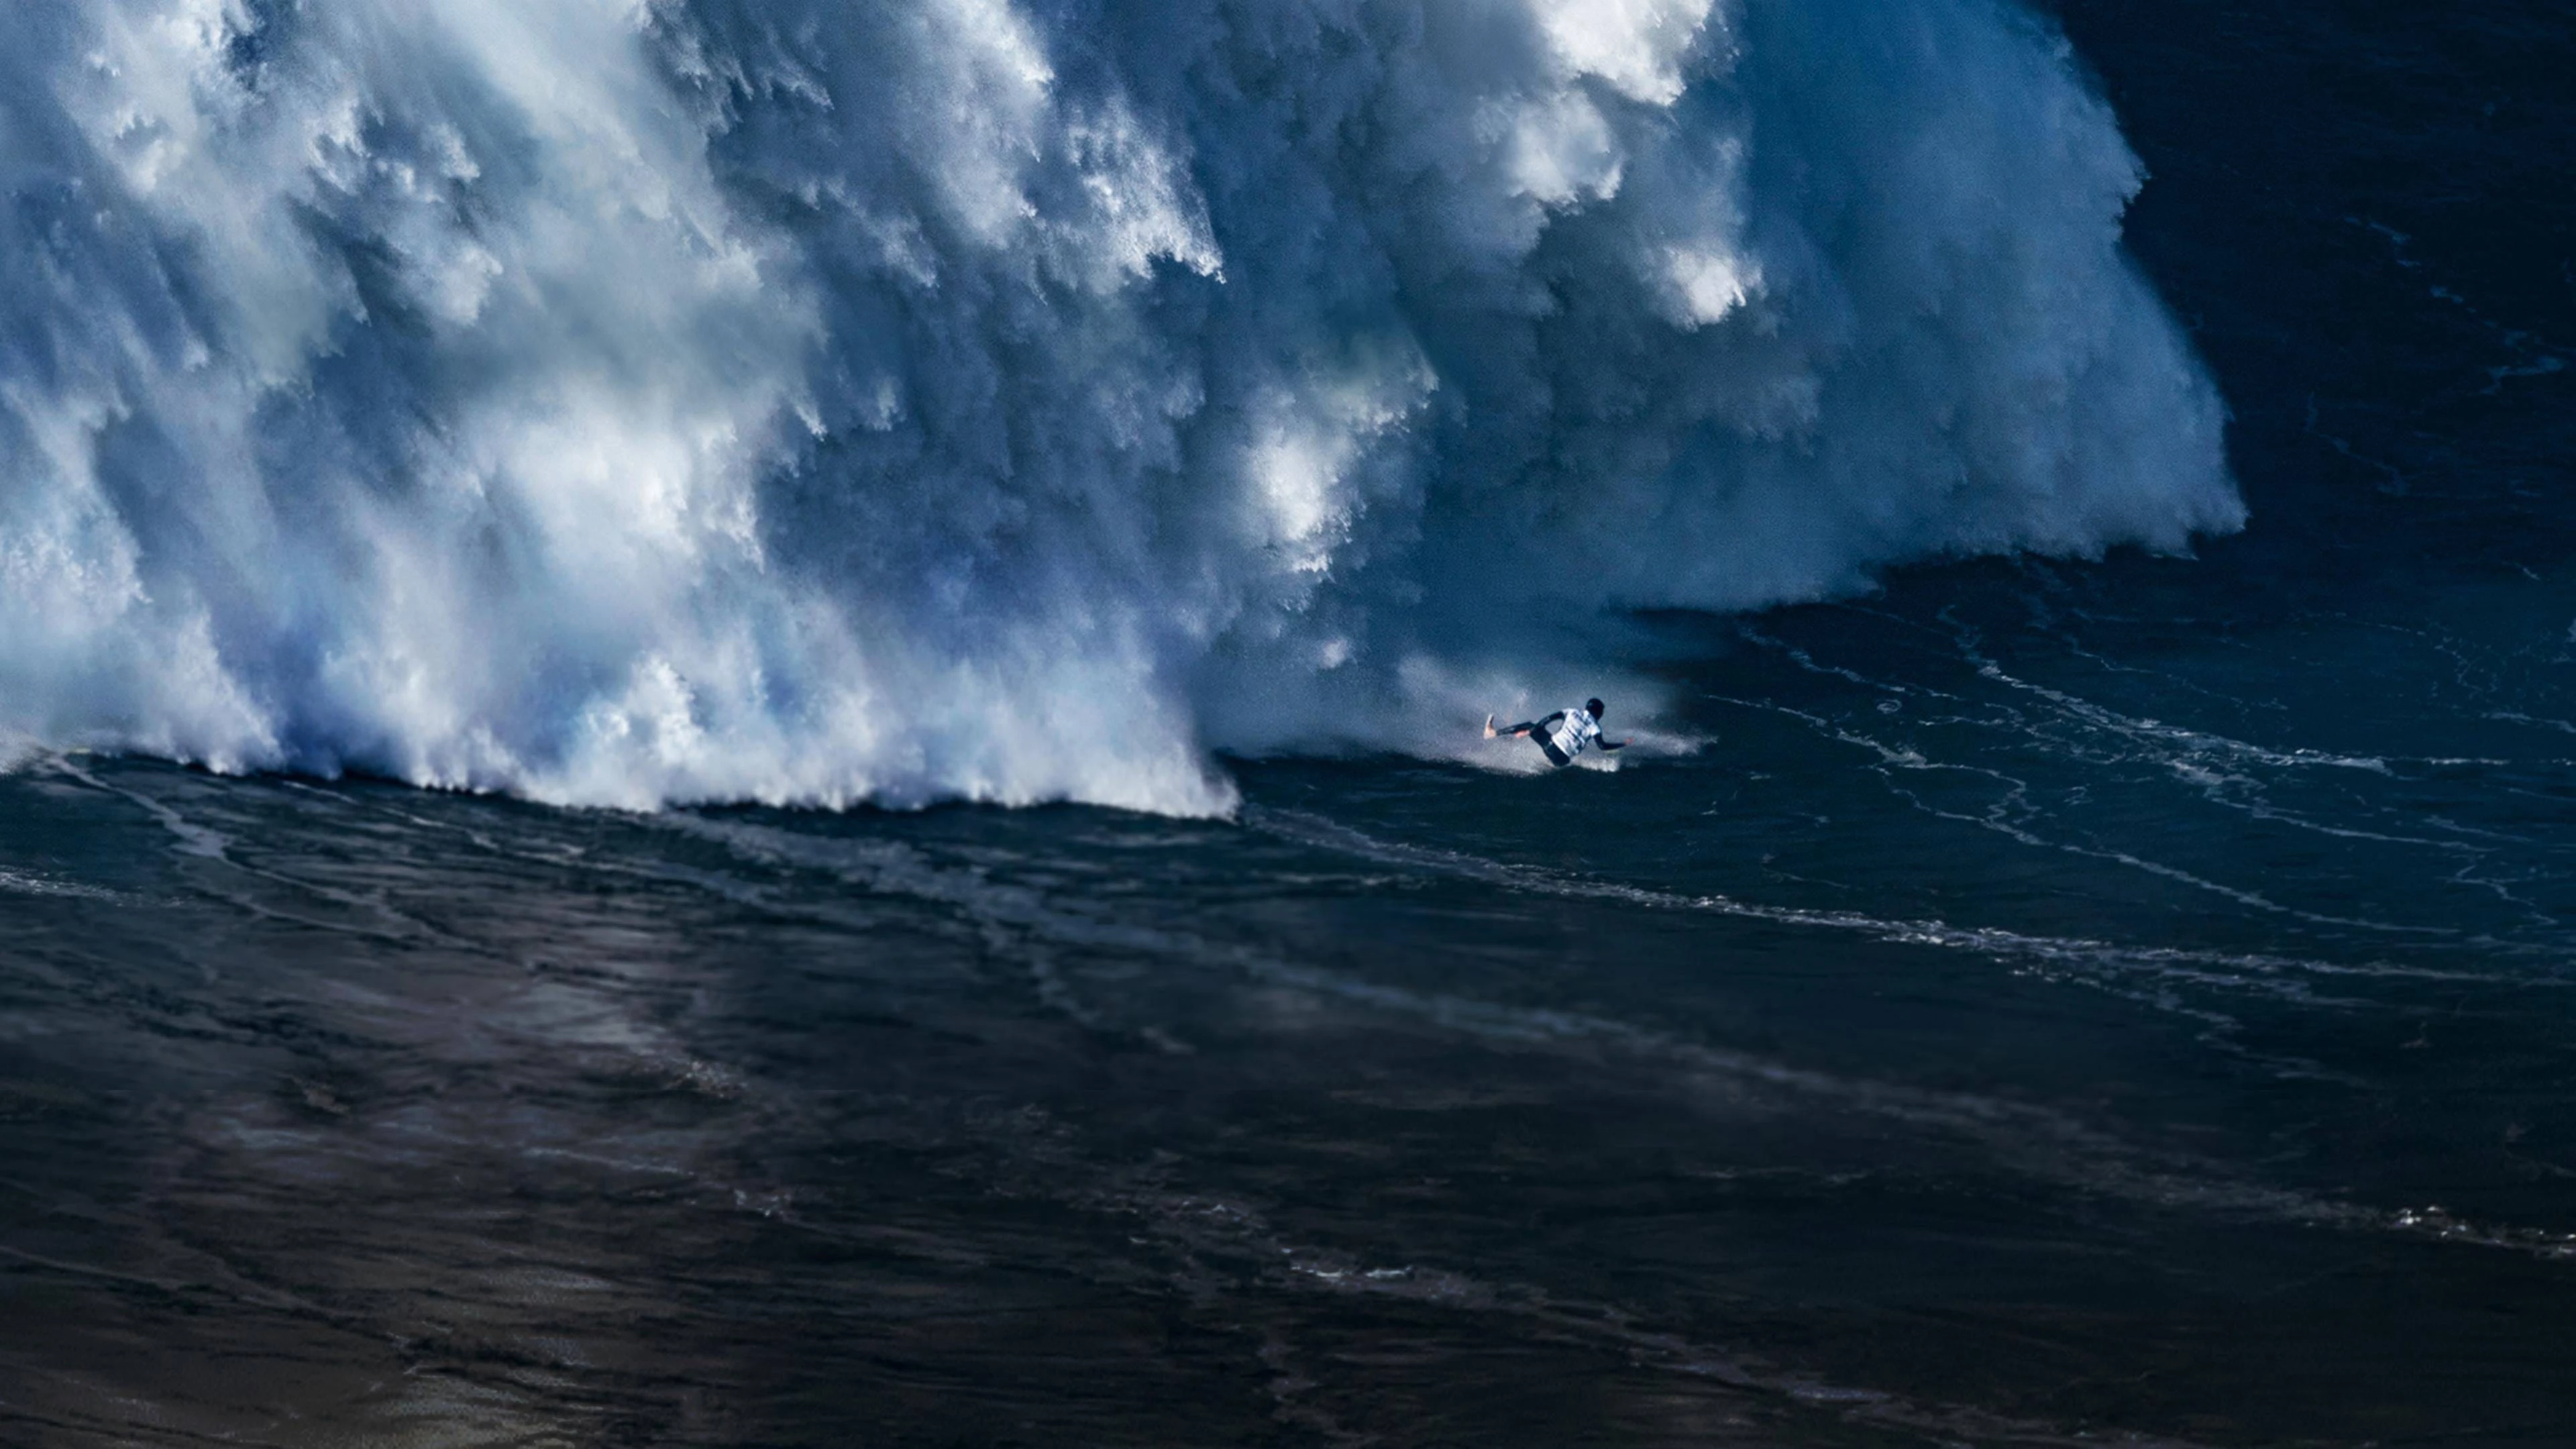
(815, 401)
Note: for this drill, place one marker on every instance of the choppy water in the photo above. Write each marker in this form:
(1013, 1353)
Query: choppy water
(1952, 1052)
(2122, 1002)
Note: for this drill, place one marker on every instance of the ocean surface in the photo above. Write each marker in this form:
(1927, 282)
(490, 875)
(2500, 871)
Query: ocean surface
(758, 725)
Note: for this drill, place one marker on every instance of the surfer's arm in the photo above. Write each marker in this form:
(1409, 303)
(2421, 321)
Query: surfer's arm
(1606, 746)
(1515, 731)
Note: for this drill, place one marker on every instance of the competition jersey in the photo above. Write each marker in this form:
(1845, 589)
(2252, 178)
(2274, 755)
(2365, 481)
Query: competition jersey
(1570, 732)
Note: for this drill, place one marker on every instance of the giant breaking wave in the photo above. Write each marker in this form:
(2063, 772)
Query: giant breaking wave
(631, 401)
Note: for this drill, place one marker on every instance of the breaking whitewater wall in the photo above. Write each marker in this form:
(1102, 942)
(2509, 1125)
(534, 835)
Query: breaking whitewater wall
(824, 400)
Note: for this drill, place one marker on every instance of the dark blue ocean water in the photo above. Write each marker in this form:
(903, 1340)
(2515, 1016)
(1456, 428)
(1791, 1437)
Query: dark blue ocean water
(2121, 1002)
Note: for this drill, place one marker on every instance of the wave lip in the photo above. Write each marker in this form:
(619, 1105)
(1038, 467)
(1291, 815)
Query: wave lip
(816, 401)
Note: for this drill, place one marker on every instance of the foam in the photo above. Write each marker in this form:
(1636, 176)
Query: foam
(819, 401)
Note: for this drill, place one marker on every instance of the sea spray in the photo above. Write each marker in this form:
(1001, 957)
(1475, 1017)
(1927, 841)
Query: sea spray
(820, 401)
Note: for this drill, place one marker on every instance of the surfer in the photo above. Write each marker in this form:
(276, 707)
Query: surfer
(1563, 735)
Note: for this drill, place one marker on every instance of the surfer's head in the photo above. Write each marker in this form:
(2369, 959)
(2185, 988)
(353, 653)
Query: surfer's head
(1593, 705)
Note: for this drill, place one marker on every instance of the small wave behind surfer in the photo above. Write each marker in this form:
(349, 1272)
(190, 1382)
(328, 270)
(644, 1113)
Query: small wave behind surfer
(1562, 735)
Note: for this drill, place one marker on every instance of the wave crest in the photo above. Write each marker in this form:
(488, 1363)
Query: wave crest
(814, 401)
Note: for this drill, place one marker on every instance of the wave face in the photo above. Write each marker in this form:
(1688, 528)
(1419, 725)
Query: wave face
(632, 401)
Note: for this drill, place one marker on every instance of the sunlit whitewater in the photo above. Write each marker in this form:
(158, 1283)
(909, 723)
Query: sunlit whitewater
(631, 401)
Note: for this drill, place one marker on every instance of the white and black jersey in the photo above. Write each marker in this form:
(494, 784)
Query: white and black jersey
(1563, 735)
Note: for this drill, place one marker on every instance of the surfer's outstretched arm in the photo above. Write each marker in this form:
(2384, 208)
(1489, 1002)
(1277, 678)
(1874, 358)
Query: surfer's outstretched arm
(1510, 731)
(1606, 746)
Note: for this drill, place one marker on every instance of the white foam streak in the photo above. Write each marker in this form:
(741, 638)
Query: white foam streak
(818, 401)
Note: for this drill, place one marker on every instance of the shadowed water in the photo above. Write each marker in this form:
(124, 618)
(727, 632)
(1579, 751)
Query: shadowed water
(2002, 1066)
